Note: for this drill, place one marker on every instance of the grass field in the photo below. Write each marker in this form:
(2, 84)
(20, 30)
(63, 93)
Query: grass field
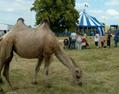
(100, 74)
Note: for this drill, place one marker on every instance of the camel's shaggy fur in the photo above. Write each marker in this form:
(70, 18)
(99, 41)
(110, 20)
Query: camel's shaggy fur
(40, 43)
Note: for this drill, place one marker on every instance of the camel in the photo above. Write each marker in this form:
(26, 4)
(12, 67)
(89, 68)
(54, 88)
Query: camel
(40, 43)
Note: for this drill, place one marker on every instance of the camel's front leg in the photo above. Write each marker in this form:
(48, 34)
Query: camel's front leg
(46, 66)
(37, 70)
(6, 74)
(2, 63)
(1, 67)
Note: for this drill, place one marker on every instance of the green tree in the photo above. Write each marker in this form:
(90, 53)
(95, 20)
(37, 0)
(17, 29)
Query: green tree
(60, 13)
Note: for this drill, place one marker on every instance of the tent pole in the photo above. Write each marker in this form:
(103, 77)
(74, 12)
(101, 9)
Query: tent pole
(87, 30)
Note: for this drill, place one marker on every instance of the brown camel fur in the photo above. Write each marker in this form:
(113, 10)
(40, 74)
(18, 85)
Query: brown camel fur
(40, 43)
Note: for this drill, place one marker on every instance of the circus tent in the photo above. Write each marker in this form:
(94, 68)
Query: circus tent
(87, 22)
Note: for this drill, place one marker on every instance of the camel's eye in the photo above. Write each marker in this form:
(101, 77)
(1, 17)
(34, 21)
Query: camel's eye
(77, 71)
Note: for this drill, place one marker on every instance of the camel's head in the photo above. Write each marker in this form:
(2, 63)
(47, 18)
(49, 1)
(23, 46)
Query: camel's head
(77, 77)
(77, 73)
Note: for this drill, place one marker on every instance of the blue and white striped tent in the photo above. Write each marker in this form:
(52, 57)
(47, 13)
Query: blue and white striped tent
(87, 21)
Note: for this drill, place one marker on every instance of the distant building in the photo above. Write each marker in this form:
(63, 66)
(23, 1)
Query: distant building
(4, 28)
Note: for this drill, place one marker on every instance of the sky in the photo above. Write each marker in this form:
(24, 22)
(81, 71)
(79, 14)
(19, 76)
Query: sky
(106, 11)
(11, 10)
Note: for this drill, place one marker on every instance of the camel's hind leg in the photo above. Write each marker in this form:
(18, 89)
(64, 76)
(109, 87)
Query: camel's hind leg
(37, 69)
(6, 70)
(46, 66)
(1, 67)
(2, 63)
(6, 49)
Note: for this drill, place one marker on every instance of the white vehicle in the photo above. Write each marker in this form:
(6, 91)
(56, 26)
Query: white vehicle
(4, 28)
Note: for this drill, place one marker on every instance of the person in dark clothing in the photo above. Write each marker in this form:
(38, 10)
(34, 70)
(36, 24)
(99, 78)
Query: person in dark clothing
(116, 38)
(66, 43)
(109, 39)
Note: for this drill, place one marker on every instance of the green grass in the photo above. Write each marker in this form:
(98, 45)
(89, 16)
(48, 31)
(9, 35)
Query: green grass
(100, 74)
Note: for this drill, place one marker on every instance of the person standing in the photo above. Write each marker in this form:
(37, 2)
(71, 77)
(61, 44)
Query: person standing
(97, 39)
(116, 38)
(103, 43)
(72, 40)
(78, 41)
(109, 39)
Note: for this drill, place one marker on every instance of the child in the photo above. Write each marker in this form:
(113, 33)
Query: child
(103, 43)
(97, 39)
(84, 43)
(109, 39)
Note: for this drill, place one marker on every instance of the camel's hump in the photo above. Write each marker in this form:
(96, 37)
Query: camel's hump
(45, 21)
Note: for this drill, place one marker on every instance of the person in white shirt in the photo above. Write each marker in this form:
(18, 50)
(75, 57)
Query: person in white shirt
(72, 40)
(73, 36)
(97, 39)
(78, 41)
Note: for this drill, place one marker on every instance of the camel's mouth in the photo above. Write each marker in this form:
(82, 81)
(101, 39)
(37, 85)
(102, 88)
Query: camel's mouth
(78, 76)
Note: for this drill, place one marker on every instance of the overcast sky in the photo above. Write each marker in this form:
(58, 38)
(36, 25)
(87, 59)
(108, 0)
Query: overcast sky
(106, 11)
(11, 10)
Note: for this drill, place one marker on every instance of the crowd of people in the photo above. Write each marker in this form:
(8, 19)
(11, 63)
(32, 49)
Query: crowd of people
(76, 41)
(79, 41)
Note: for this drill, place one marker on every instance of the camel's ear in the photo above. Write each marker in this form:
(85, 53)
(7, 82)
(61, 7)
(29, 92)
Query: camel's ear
(1, 39)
